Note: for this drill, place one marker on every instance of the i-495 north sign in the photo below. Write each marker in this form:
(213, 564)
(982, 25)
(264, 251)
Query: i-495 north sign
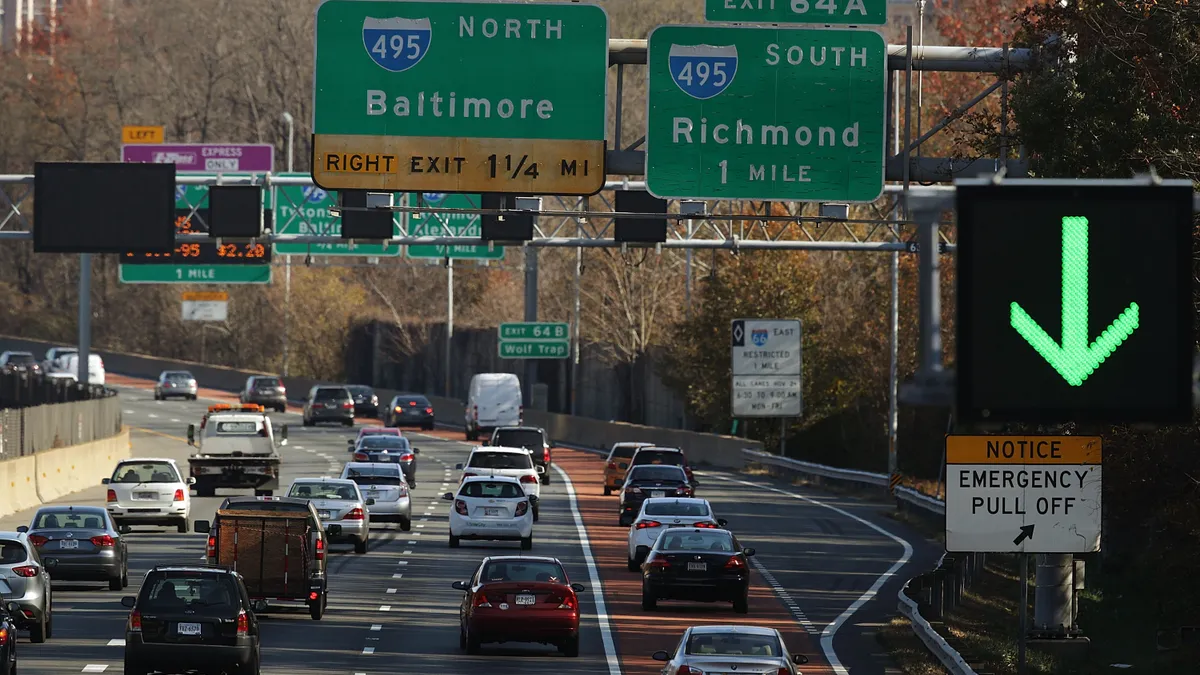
(428, 96)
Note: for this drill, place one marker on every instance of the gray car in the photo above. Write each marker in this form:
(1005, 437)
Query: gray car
(328, 404)
(732, 648)
(266, 391)
(81, 543)
(24, 580)
(175, 383)
(388, 449)
(338, 502)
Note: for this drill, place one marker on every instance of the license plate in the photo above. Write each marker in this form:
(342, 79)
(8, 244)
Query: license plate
(145, 495)
(487, 511)
(322, 514)
(188, 628)
(658, 493)
(697, 567)
(526, 599)
(68, 543)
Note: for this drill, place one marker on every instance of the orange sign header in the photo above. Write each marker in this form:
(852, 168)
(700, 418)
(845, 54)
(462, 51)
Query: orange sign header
(206, 296)
(135, 134)
(1023, 449)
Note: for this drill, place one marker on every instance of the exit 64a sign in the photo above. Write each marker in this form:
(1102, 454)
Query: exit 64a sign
(1075, 301)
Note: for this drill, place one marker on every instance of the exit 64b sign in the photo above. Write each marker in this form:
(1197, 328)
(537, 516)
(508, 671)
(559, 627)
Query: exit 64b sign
(1075, 301)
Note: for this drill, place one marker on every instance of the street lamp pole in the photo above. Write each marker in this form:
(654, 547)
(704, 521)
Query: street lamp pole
(287, 259)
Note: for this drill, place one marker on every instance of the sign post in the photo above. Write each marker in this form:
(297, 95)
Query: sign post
(766, 356)
(305, 209)
(763, 113)
(535, 340)
(435, 224)
(1023, 494)
(206, 306)
(460, 97)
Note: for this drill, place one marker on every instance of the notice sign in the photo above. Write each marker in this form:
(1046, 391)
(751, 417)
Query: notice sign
(1023, 494)
(766, 367)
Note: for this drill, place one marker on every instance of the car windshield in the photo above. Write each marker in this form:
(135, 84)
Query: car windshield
(523, 570)
(323, 491)
(497, 490)
(266, 382)
(733, 644)
(63, 519)
(193, 593)
(657, 473)
(383, 442)
(374, 476)
(378, 431)
(676, 509)
(358, 389)
(659, 457)
(338, 394)
(179, 377)
(500, 460)
(696, 541)
(518, 438)
(11, 552)
(624, 451)
(145, 472)
(20, 358)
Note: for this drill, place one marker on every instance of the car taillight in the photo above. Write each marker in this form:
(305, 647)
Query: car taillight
(211, 549)
(355, 514)
(659, 564)
(712, 526)
(481, 600)
(403, 490)
(522, 509)
(683, 490)
(735, 563)
(27, 571)
(399, 409)
(684, 670)
(112, 496)
(3, 636)
(360, 457)
(103, 540)
(569, 602)
(37, 539)
(460, 507)
(135, 621)
(648, 523)
(475, 413)
(243, 626)
(783, 671)
(179, 495)
(633, 489)
(406, 457)
(429, 411)
(320, 549)
(612, 465)
(348, 404)
(546, 454)
(467, 474)
(529, 479)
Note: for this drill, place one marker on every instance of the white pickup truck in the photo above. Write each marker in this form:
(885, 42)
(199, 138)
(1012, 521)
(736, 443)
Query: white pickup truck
(237, 448)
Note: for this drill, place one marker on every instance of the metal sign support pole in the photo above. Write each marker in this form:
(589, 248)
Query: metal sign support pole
(85, 318)
(449, 323)
(1024, 614)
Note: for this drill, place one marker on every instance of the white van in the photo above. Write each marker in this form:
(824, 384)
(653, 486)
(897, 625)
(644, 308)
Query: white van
(95, 367)
(494, 400)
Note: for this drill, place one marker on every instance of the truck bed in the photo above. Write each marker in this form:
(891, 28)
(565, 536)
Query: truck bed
(270, 551)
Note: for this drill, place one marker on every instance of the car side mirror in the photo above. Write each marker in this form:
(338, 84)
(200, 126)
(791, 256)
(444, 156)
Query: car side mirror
(334, 530)
(283, 434)
(259, 605)
(748, 552)
(191, 434)
(124, 529)
(191, 480)
(129, 601)
(578, 588)
(370, 501)
(460, 585)
(722, 522)
(350, 442)
(660, 655)
(533, 499)
(449, 496)
(23, 528)
(416, 451)
(799, 659)
(458, 466)
(105, 481)
(202, 526)
(541, 469)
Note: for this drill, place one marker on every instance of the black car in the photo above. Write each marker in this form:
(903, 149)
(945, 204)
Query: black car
(532, 439)
(366, 403)
(8, 638)
(697, 564)
(388, 449)
(199, 616)
(650, 480)
(409, 410)
(19, 362)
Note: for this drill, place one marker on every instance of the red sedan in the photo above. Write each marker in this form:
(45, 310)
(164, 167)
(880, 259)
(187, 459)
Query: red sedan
(519, 599)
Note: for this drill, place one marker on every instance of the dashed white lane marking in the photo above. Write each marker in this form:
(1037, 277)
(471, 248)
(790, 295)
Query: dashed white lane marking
(385, 608)
(392, 591)
(147, 415)
(420, 526)
(95, 668)
(376, 626)
(116, 642)
(414, 534)
(174, 419)
(127, 412)
(368, 650)
(407, 552)
(411, 542)
(401, 562)
(785, 596)
(397, 576)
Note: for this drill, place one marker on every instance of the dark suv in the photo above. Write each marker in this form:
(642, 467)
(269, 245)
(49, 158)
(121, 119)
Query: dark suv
(199, 616)
(266, 391)
(329, 404)
(532, 439)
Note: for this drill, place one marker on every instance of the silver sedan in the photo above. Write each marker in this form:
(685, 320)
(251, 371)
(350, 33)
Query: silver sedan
(733, 648)
(338, 502)
(175, 383)
(25, 582)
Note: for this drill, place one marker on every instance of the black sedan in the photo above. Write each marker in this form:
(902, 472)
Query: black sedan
(651, 480)
(409, 410)
(366, 403)
(701, 565)
(389, 449)
(81, 543)
(8, 638)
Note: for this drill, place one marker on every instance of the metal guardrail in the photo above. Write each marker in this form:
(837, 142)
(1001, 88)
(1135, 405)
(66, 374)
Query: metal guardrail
(936, 644)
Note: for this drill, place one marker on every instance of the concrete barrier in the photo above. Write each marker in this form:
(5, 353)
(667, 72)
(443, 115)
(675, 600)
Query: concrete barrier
(27, 482)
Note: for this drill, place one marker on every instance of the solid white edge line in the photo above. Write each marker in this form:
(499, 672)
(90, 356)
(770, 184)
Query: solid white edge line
(606, 636)
(831, 630)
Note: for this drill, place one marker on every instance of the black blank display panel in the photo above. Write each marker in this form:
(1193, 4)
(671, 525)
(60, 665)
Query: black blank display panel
(103, 207)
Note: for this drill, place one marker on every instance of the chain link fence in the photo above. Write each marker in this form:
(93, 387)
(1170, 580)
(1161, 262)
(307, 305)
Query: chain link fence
(24, 431)
(23, 389)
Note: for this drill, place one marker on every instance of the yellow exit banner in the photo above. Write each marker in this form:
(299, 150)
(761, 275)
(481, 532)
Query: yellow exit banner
(141, 134)
(206, 296)
(1023, 449)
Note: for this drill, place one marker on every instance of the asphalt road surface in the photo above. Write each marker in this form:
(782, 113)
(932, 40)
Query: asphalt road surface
(827, 569)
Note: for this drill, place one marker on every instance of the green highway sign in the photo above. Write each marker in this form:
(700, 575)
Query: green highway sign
(535, 349)
(436, 96)
(535, 331)
(195, 274)
(437, 224)
(824, 12)
(304, 209)
(763, 113)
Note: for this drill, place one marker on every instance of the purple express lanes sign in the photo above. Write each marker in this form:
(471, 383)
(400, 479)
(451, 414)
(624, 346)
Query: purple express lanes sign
(205, 157)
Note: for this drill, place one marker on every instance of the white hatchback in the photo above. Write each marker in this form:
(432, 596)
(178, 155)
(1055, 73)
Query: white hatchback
(491, 508)
(660, 514)
(513, 463)
(149, 491)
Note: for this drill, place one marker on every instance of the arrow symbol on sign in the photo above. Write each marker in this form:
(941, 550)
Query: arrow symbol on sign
(1026, 533)
(1075, 359)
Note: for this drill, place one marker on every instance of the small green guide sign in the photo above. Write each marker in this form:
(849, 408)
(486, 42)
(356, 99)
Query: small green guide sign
(824, 12)
(764, 113)
(305, 209)
(423, 95)
(532, 340)
(441, 224)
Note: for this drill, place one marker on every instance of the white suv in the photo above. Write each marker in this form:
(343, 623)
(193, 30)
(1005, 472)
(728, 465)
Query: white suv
(660, 514)
(149, 491)
(509, 462)
(491, 508)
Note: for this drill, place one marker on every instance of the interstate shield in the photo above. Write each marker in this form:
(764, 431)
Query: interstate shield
(702, 71)
(396, 44)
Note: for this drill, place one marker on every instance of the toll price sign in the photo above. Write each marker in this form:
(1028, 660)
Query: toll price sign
(1023, 494)
(470, 97)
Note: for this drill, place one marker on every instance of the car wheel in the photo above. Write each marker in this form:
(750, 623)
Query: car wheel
(472, 434)
(527, 543)
(649, 602)
(462, 637)
(546, 476)
(570, 646)
(37, 633)
(406, 524)
(427, 427)
(124, 576)
(205, 491)
(317, 609)
(114, 583)
(742, 605)
(157, 397)
(307, 422)
(633, 565)
(347, 423)
(472, 642)
(360, 547)
(453, 541)
(50, 625)
(182, 526)
(624, 521)
(607, 491)
(134, 668)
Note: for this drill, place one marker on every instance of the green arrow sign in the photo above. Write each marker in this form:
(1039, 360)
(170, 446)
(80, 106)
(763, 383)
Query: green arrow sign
(1075, 359)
